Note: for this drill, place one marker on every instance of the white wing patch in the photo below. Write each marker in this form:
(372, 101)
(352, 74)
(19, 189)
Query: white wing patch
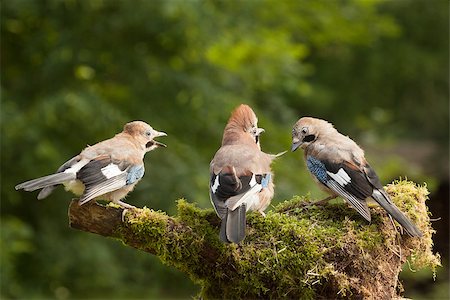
(215, 185)
(340, 177)
(249, 198)
(111, 170)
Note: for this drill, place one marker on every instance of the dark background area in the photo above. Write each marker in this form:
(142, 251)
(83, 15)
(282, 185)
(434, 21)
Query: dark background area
(74, 72)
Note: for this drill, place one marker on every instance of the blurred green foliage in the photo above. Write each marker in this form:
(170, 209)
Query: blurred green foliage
(73, 72)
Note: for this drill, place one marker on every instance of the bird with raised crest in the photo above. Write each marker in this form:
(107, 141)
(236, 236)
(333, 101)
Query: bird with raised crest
(241, 178)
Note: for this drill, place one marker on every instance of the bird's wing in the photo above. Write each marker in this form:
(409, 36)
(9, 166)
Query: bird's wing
(372, 177)
(226, 185)
(345, 179)
(103, 175)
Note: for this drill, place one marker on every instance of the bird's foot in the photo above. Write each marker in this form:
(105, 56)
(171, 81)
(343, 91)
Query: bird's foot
(324, 201)
(126, 207)
(124, 212)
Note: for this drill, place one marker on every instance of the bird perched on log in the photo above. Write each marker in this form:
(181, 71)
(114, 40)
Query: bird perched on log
(338, 165)
(108, 170)
(241, 177)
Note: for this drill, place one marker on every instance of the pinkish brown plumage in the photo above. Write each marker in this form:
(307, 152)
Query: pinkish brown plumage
(339, 166)
(241, 176)
(108, 170)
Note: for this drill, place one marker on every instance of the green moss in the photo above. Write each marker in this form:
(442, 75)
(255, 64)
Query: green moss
(297, 251)
(411, 199)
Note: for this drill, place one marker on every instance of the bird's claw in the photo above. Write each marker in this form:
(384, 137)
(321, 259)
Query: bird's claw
(125, 207)
(124, 212)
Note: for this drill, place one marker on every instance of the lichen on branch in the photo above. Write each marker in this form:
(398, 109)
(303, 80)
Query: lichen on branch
(298, 250)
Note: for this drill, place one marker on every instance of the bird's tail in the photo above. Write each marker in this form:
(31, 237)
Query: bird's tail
(232, 229)
(46, 191)
(383, 199)
(46, 181)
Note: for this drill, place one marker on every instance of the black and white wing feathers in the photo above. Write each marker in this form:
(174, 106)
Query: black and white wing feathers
(103, 175)
(348, 182)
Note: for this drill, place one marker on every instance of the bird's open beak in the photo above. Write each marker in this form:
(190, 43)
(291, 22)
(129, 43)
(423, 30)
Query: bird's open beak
(156, 143)
(295, 144)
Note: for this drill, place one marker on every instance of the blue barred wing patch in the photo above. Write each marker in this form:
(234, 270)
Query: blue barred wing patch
(317, 168)
(134, 174)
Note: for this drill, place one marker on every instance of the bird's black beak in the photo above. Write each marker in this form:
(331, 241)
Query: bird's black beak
(295, 146)
(296, 142)
(259, 131)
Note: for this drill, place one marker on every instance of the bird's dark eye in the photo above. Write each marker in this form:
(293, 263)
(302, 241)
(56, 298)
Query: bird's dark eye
(148, 133)
(304, 130)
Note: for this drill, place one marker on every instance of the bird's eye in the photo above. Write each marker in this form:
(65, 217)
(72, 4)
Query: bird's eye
(148, 133)
(304, 130)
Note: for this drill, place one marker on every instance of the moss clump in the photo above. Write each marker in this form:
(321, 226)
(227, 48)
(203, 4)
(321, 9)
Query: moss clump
(148, 229)
(297, 251)
(411, 198)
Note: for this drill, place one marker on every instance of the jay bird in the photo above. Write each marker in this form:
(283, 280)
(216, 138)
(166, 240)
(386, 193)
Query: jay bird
(240, 174)
(338, 165)
(108, 170)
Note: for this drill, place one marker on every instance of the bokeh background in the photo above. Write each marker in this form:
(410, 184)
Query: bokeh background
(73, 72)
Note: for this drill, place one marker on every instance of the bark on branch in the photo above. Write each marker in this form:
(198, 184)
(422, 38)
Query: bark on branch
(296, 251)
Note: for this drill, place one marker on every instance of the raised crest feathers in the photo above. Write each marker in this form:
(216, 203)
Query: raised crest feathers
(242, 117)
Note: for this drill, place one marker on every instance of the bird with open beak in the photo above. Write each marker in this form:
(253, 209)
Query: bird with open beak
(338, 165)
(241, 178)
(108, 170)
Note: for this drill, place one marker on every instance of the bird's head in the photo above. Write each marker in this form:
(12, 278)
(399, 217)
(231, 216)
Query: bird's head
(307, 130)
(242, 126)
(144, 134)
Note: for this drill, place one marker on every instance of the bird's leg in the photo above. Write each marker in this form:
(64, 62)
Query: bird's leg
(262, 213)
(325, 200)
(393, 225)
(123, 204)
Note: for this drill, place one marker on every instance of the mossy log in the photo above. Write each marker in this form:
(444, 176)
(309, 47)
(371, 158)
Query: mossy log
(297, 251)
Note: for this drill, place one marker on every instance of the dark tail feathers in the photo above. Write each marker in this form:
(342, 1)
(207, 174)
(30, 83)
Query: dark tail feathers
(232, 229)
(383, 199)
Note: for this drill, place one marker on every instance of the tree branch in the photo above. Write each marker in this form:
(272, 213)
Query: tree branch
(296, 251)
